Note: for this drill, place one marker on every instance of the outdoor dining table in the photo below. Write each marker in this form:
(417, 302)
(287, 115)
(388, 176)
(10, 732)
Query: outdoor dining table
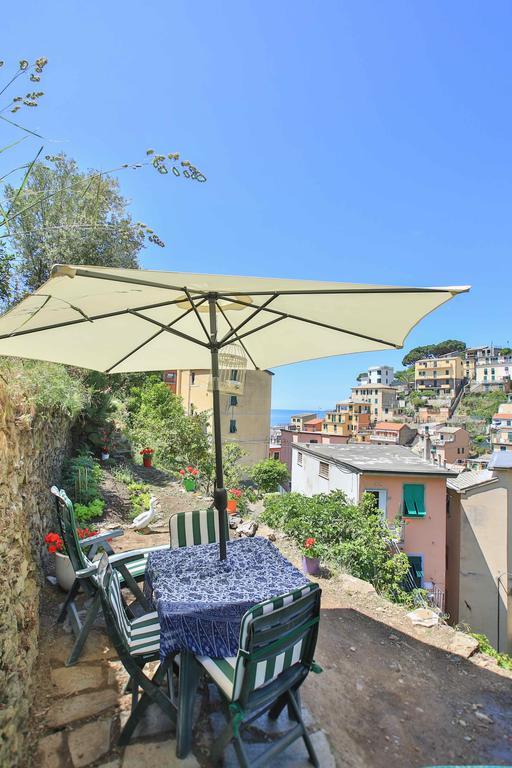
(201, 600)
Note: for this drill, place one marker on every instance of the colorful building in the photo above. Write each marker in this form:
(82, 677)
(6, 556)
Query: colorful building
(382, 399)
(444, 375)
(407, 488)
(392, 433)
(347, 419)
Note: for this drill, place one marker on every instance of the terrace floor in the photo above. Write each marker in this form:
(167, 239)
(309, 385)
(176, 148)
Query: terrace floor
(391, 693)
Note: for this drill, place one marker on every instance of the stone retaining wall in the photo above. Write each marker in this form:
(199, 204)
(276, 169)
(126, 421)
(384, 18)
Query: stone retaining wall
(32, 449)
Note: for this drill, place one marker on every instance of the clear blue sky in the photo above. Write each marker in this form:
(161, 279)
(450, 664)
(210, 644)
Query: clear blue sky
(354, 141)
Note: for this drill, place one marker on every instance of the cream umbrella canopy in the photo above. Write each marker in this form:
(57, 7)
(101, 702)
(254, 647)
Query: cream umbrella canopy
(123, 320)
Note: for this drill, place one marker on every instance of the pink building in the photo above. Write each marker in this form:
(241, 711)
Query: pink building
(410, 492)
(290, 437)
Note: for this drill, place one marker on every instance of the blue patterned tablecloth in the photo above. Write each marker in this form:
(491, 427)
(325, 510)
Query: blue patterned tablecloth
(201, 600)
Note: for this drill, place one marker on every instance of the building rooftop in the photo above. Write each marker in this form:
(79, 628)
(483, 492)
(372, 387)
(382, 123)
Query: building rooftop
(302, 415)
(467, 480)
(381, 459)
(449, 430)
(501, 460)
(504, 415)
(390, 425)
(374, 386)
(315, 421)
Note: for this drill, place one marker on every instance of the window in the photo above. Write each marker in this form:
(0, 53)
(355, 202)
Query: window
(234, 374)
(324, 470)
(414, 500)
(192, 377)
(299, 458)
(381, 497)
(276, 454)
(232, 426)
(233, 400)
(415, 571)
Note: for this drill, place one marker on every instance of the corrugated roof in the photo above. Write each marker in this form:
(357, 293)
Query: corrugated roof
(470, 479)
(382, 459)
(501, 460)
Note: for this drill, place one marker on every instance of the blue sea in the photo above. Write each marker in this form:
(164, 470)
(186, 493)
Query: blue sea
(280, 416)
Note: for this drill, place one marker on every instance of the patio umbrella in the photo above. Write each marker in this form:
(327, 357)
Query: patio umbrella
(123, 320)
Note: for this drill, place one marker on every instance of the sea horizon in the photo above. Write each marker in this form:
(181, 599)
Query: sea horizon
(280, 416)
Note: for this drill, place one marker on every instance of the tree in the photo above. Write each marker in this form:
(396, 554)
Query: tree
(269, 474)
(406, 376)
(433, 350)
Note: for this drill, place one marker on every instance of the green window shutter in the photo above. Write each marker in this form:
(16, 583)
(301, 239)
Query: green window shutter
(414, 500)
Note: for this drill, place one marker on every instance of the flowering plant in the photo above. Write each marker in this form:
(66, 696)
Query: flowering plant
(234, 494)
(189, 472)
(146, 451)
(310, 548)
(55, 542)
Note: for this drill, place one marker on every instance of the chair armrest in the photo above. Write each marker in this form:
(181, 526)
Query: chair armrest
(86, 572)
(133, 554)
(100, 537)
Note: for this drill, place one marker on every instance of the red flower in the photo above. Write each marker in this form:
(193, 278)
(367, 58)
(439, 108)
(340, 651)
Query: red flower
(309, 543)
(52, 548)
(182, 471)
(194, 472)
(190, 469)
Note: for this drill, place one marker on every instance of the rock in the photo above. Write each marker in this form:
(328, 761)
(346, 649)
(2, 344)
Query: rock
(483, 717)
(97, 647)
(67, 680)
(355, 586)
(271, 537)
(423, 617)
(247, 529)
(52, 580)
(156, 753)
(463, 723)
(50, 751)
(234, 521)
(77, 707)
(462, 644)
(89, 742)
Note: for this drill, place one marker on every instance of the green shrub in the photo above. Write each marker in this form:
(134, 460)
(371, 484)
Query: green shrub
(122, 474)
(269, 474)
(504, 659)
(81, 477)
(47, 386)
(139, 498)
(87, 512)
(352, 536)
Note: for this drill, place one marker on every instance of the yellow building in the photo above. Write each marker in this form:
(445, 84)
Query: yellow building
(444, 375)
(347, 419)
(245, 419)
(383, 400)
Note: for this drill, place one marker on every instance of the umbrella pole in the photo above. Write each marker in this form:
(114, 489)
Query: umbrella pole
(220, 496)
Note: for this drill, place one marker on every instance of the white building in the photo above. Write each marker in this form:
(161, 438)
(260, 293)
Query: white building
(495, 371)
(378, 374)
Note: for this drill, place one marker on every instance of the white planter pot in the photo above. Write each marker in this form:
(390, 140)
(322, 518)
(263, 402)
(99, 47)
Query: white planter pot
(64, 571)
(105, 455)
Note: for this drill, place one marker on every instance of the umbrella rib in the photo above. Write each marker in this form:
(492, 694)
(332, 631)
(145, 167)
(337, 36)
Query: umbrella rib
(337, 291)
(169, 330)
(85, 319)
(133, 351)
(194, 307)
(238, 338)
(133, 281)
(235, 330)
(318, 323)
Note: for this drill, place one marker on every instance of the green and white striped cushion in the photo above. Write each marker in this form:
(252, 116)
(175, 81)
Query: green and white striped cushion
(198, 527)
(141, 635)
(136, 567)
(229, 672)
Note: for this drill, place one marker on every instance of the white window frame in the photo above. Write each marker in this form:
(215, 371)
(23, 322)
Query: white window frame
(383, 500)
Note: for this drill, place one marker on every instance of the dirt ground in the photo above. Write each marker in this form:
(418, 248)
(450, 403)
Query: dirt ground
(391, 693)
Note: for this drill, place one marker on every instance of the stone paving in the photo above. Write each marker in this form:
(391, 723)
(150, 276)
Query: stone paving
(82, 709)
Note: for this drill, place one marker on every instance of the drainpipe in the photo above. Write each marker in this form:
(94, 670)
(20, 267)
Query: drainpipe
(427, 445)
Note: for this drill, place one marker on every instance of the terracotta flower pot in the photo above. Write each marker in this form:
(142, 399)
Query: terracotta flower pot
(147, 459)
(310, 565)
(232, 505)
(64, 571)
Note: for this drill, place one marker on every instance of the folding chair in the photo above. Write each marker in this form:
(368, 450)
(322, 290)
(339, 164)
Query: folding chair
(198, 527)
(137, 642)
(277, 643)
(131, 566)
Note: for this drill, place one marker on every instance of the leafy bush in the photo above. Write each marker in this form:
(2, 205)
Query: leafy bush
(504, 659)
(81, 477)
(269, 474)
(352, 536)
(43, 386)
(434, 350)
(158, 420)
(87, 512)
(139, 498)
(482, 405)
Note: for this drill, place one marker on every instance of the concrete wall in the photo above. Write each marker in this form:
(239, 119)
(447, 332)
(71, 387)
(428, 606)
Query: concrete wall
(31, 453)
(306, 478)
(480, 549)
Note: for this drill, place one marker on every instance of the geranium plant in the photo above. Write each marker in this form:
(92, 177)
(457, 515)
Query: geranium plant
(55, 543)
(146, 451)
(189, 472)
(310, 548)
(234, 494)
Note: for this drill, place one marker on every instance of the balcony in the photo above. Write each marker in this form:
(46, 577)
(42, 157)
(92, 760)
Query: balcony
(384, 438)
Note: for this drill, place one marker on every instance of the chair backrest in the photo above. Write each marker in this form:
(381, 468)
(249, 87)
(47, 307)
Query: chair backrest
(118, 623)
(198, 527)
(275, 635)
(67, 524)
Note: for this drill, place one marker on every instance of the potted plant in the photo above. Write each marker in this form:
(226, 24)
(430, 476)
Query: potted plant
(310, 556)
(147, 456)
(64, 571)
(234, 495)
(189, 476)
(106, 440)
